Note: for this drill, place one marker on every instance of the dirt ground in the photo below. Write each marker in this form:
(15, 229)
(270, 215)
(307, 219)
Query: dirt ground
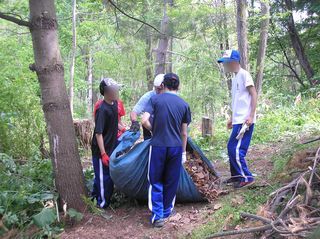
(133, 222)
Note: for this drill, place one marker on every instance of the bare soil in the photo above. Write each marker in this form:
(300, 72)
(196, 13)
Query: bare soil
(133, 221)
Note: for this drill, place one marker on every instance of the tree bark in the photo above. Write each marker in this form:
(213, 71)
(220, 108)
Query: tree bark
(242, 11)
(148, 53)
(163, 43)
(73, 53)
(265, 14)
(169, 67)
(297, 45)
(89, 81)
(68, 176)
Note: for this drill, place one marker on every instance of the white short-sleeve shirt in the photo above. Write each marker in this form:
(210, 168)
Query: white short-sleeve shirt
(241, 98)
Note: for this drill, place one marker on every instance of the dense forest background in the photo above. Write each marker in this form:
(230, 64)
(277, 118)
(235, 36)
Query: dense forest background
(121, 39)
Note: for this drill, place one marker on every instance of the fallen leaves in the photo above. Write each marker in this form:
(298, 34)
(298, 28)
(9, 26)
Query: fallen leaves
(206, 182)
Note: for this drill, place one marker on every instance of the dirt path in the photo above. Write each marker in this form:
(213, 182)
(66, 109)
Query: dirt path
(132, 222)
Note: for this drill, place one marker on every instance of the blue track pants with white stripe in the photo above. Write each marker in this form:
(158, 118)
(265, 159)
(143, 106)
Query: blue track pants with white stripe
(103, 184)
(237, 150)
(163, 175)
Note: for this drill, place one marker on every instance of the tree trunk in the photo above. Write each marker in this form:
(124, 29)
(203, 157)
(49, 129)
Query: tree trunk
(169, 56)
(163, 43)
(73, 54)
(242, 12)
(89, 81)
(297, 45)
(265, 14)
(148, 53)
(68, 176)
(170, 47)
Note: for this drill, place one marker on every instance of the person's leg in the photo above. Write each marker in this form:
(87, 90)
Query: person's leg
(157, 157)
(103, 185)
(146, 133)
(237, 173)
(242, 152)
(171, 178)
(96, 182)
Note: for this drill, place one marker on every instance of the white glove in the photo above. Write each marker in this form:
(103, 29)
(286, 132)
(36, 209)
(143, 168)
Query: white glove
(184, 157)
(244, 128)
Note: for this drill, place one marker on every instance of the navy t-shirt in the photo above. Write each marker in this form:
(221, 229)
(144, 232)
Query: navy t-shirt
(106, 123)
(169, 112)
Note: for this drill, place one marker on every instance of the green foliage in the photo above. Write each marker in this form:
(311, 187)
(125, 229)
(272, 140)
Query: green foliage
(24, 189)
(74, 214)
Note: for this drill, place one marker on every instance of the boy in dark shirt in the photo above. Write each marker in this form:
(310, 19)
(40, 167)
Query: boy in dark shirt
(171, 116)
(104, 141)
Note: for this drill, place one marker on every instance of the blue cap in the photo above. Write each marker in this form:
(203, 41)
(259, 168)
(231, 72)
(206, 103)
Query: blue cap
(230, 56)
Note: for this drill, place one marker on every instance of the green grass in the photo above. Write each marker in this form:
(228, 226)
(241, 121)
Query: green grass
(275, 123)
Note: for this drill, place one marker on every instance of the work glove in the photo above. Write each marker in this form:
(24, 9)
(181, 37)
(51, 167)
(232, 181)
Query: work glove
(135, 126)
(105, 159)
(184, 157)
(244, 128)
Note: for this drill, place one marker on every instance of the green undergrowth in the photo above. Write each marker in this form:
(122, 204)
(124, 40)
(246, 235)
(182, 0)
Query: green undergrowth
(274, 124)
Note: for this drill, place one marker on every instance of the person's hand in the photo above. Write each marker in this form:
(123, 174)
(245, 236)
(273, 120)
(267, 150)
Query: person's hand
(184, 157)
(229, 124)
(105, 159)
(249, 121)
(135, 126)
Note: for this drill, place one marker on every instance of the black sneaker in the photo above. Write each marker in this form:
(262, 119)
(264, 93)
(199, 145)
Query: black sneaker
(243, 184)
(230, 181)
(158, 223)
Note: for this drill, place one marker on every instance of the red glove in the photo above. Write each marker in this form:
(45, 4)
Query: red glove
(105, 159)
(123, 130)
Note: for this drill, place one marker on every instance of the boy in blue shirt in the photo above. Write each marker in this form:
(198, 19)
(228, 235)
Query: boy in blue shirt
(171, 116)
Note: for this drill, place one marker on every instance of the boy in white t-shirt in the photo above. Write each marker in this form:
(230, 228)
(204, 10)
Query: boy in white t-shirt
(244, 102)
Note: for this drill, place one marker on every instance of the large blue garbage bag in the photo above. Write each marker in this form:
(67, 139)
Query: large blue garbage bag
(129, 167)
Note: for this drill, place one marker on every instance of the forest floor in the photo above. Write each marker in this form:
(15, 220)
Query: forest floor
(132, 221)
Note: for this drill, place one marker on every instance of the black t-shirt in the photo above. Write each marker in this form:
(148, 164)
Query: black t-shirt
(106, 123)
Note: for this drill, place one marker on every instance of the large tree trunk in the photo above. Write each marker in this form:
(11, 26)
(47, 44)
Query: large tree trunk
(297, 45)
(73, 53)
(69, 179)
(265, 14)
(169, 67)
(242, 12)
(162, 49)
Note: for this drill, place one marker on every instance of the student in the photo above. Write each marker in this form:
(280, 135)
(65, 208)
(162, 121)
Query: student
(121, 113)
(141, 106)
(104, 141)
(168, 147)
(244, 102)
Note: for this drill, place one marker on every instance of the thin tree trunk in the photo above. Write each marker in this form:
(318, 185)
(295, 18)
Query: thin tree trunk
(73, 56)
(163, 43)
(89, 81)
(170, 47)
(297, 45)
(265, 14)
(68, 176)
(148, 53)
(242, 12)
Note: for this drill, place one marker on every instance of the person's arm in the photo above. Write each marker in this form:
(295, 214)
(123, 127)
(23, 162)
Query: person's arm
(254, 98)
(133, 116)
(145, 121)
(184, 136)
(100, 143)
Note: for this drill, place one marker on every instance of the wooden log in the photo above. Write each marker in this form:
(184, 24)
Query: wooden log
(206, 126)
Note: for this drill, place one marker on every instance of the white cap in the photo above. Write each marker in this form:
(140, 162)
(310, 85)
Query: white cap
(158, 80)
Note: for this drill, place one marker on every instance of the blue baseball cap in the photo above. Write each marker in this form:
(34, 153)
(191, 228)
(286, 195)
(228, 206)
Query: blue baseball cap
(230, 56)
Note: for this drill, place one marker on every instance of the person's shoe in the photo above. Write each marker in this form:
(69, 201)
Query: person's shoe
(230, 181)
(158, 223)
(239, 185)
(172, 214)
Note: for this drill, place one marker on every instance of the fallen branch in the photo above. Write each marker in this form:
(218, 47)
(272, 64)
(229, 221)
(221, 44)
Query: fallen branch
(242, 231)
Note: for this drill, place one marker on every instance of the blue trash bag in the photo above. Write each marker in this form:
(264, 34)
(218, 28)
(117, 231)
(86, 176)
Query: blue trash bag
(129, 168)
